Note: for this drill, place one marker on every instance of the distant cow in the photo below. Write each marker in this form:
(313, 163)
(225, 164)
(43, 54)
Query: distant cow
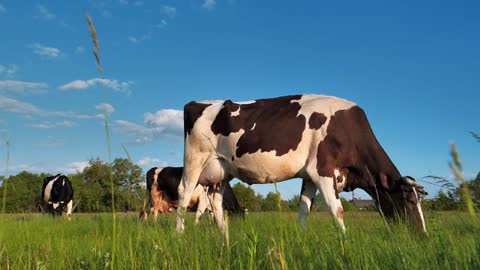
(162, 187)
(326, 141)
(57, 192)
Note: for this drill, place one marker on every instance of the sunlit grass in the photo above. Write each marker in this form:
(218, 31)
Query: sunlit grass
(261, 241)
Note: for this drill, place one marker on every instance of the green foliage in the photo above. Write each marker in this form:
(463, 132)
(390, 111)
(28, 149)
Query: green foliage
(91, 188)
(260, 241)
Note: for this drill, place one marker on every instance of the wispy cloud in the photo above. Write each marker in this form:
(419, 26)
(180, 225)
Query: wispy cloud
(123, 87)
(44, 13)
(151, 162)
(8, 71)
(48, 125)
(2, 9)
(142, 38)
(49, 52)
(209, 4)
(16, 106)
(169, 11)
(20, 87)
(79, 49)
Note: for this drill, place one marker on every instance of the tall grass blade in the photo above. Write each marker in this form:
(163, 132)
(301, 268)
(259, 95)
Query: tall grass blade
(96, 46)
(457, 170)
(5, 179)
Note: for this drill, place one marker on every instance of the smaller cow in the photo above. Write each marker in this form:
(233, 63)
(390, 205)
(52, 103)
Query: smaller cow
(57, 192)
(162, 188)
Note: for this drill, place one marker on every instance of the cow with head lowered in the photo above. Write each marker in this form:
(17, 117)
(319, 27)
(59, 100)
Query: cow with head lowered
(57, 192)
(162, 188)
(326, 141)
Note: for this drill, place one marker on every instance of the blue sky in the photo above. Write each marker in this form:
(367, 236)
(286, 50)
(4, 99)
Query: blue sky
(412, 65)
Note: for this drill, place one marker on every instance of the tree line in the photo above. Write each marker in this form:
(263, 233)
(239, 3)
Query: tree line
(93, 192)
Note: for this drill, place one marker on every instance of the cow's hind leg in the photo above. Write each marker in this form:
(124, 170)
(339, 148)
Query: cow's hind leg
(216, 198)
(327, 187)
(308, 191)
(202, 206)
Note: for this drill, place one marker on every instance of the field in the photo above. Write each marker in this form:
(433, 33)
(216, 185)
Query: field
(261, 241)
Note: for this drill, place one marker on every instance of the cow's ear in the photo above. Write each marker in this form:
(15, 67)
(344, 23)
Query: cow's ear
(386, 183)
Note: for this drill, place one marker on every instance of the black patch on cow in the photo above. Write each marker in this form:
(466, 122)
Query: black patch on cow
(351, 147)
(191, 112)
(233, 158)
(316, 120)
(275, 122)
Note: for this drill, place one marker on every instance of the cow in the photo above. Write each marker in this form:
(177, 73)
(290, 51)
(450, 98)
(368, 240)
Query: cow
(57, 192)
(326, 141)
(162, 188)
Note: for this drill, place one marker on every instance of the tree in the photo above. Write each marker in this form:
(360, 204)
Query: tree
(247, 198)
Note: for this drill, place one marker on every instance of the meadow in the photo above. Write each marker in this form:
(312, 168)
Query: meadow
(260, 241)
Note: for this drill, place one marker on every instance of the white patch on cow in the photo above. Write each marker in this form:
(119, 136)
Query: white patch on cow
(420, 211)
(69, 209)
(246, 102)
(48, 189)
(55, 205)
(213, 101)
(342, 182)
(254, 125)
(63, 183)
(235, 113)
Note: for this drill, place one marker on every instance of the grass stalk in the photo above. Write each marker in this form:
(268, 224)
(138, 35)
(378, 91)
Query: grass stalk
(5, 179)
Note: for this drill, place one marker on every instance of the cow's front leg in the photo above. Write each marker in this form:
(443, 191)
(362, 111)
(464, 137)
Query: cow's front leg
(185, 190)
(69, 209)
(332, 199)
(305, 205)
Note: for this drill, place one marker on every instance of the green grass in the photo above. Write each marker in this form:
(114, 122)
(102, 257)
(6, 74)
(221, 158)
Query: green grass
(261, 241)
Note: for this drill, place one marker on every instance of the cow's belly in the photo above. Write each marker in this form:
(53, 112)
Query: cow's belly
(266, 167)
(213, 173)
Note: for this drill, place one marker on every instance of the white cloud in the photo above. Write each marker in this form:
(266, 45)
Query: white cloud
(133, 39)
(2, 9)
(167, 118)
(144, 134)
(19, 87)
(13, 105)
(74, 167)
(209, 4)
(85, 84)
(48, 125)
(44, 13)
(162, 24)
(104, 108)
(42, 50)
(169, 11)
(150, 162)
(79, 49)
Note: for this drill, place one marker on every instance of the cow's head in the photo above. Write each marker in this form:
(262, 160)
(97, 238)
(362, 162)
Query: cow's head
(401, 199)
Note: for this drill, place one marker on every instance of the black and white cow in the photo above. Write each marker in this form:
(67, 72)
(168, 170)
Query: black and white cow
(57, 192)
(162, 188)
(326, 141)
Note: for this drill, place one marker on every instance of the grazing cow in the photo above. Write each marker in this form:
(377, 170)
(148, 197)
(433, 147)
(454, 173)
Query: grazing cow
(57, 192)
(162, 187)
(326, 141)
